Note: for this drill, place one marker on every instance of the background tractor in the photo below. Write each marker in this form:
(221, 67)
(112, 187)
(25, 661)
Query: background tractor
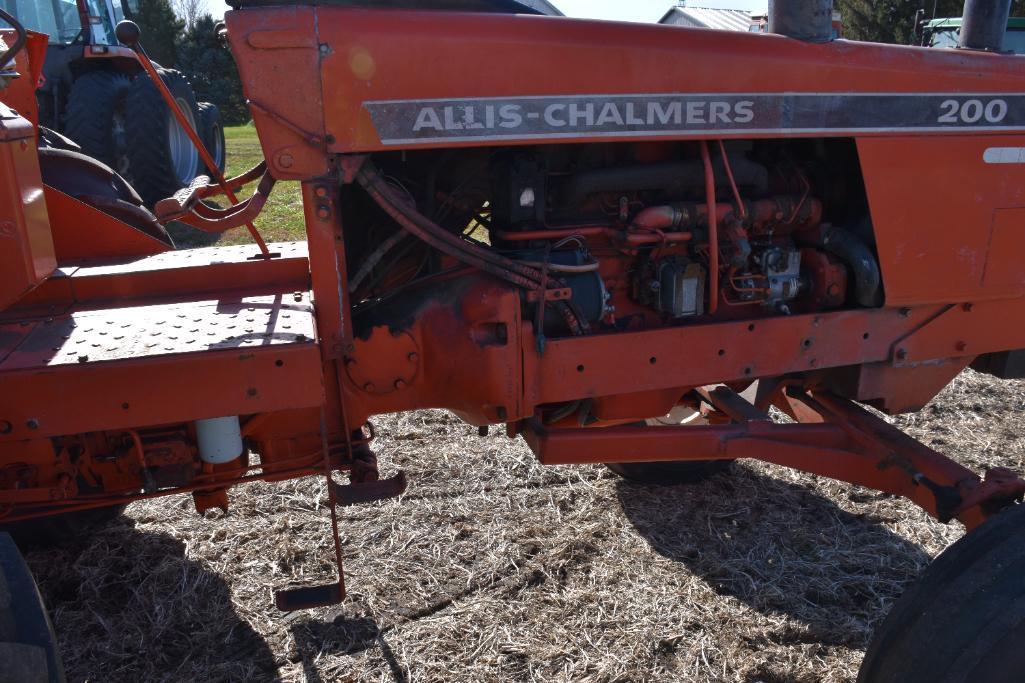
(946, 32)
(92, 92)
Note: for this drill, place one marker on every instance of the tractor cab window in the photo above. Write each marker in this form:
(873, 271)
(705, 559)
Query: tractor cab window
(56, 18)
(944, 38)
(100, 25)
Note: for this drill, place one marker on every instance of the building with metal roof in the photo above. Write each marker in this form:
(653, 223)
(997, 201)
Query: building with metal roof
(542, 6)
(704, 17)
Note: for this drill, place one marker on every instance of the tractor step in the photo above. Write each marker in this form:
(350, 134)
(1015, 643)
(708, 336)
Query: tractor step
(369, 491)
(308, 597)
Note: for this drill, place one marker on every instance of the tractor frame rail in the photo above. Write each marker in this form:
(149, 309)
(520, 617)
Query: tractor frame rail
(835, 438)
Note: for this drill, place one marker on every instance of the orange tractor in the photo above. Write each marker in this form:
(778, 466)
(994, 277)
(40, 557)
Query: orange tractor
(626, 243)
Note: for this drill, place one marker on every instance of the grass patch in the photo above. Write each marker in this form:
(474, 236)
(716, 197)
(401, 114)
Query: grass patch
(282, 217)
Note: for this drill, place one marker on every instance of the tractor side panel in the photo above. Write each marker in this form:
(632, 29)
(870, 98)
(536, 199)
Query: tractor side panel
(278, 57)
(402, 79)
(26, 245)
(949, 216)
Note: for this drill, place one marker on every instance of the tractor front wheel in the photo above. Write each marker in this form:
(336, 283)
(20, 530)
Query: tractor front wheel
(28, 648)
(161, 157)
(671, 473)
(964, 620)
(211, 132)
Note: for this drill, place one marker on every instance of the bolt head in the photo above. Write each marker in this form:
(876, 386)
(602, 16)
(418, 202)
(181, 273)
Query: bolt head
(413, 357)
(369, 387)
(285, 160)
(400, 384)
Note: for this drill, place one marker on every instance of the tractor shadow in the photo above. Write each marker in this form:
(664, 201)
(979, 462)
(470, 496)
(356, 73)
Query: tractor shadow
(187, 237)
(128, 605)
(781, 548)
(343, 636)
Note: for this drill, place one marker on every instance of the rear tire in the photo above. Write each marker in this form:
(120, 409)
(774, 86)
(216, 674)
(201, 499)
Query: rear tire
(964, 620)
(212, 133)
(161, 158)
(671, 473)
(28, 648)
(95, 114)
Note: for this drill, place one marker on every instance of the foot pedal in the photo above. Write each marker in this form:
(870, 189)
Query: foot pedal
(369, 491)
(309, 597)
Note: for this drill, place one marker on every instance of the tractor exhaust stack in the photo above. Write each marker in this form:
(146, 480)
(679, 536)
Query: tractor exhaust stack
(808, 20)
(984, 24)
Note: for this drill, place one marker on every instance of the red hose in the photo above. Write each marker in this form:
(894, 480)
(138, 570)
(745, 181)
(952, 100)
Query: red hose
(713, 231)
(733, 183)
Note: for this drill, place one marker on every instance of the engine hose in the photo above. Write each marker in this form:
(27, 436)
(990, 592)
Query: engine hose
(466, 253)
(424, 228)
(374, 259)
(437, 237)
(856, 254)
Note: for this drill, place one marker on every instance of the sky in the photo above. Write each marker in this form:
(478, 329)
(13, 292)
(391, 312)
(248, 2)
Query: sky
(622, 10)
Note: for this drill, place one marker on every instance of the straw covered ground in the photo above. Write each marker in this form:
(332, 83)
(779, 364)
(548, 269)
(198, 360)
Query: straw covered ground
(493, 568)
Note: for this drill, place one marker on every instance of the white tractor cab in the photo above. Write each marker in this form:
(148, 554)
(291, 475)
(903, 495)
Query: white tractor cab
(947, 32)
(96, 94)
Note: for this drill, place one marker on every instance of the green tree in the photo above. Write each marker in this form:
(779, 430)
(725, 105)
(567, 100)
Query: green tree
(161, 30)
(211, 69)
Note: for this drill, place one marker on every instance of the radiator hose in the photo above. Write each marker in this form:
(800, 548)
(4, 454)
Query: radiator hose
(859, 258)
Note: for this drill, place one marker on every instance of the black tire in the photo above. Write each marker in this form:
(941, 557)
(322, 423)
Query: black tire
(964, 620)
(63, 528)
(95, 115)
(159, 163)
(212, 133)
(28, 648)
(670, 473)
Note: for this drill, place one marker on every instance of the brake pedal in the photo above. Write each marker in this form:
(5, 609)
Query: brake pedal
(369, 491)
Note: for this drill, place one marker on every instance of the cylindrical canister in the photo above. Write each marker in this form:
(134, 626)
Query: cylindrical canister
(220, 439)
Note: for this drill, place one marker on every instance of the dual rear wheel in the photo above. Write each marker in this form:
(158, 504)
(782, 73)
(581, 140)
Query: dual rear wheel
(125, 123)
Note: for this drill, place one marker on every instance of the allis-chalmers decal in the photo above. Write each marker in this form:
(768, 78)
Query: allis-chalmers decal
(536, 118)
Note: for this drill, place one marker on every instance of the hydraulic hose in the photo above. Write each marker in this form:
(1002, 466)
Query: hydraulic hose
(437, 237)
(412, 221)
(713, 231)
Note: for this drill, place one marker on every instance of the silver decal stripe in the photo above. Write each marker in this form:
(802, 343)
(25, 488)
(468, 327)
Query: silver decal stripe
(579, 116)
(1004, 155)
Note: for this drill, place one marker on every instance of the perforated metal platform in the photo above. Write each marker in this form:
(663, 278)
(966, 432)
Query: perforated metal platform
(168, 338)
(147, 331)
